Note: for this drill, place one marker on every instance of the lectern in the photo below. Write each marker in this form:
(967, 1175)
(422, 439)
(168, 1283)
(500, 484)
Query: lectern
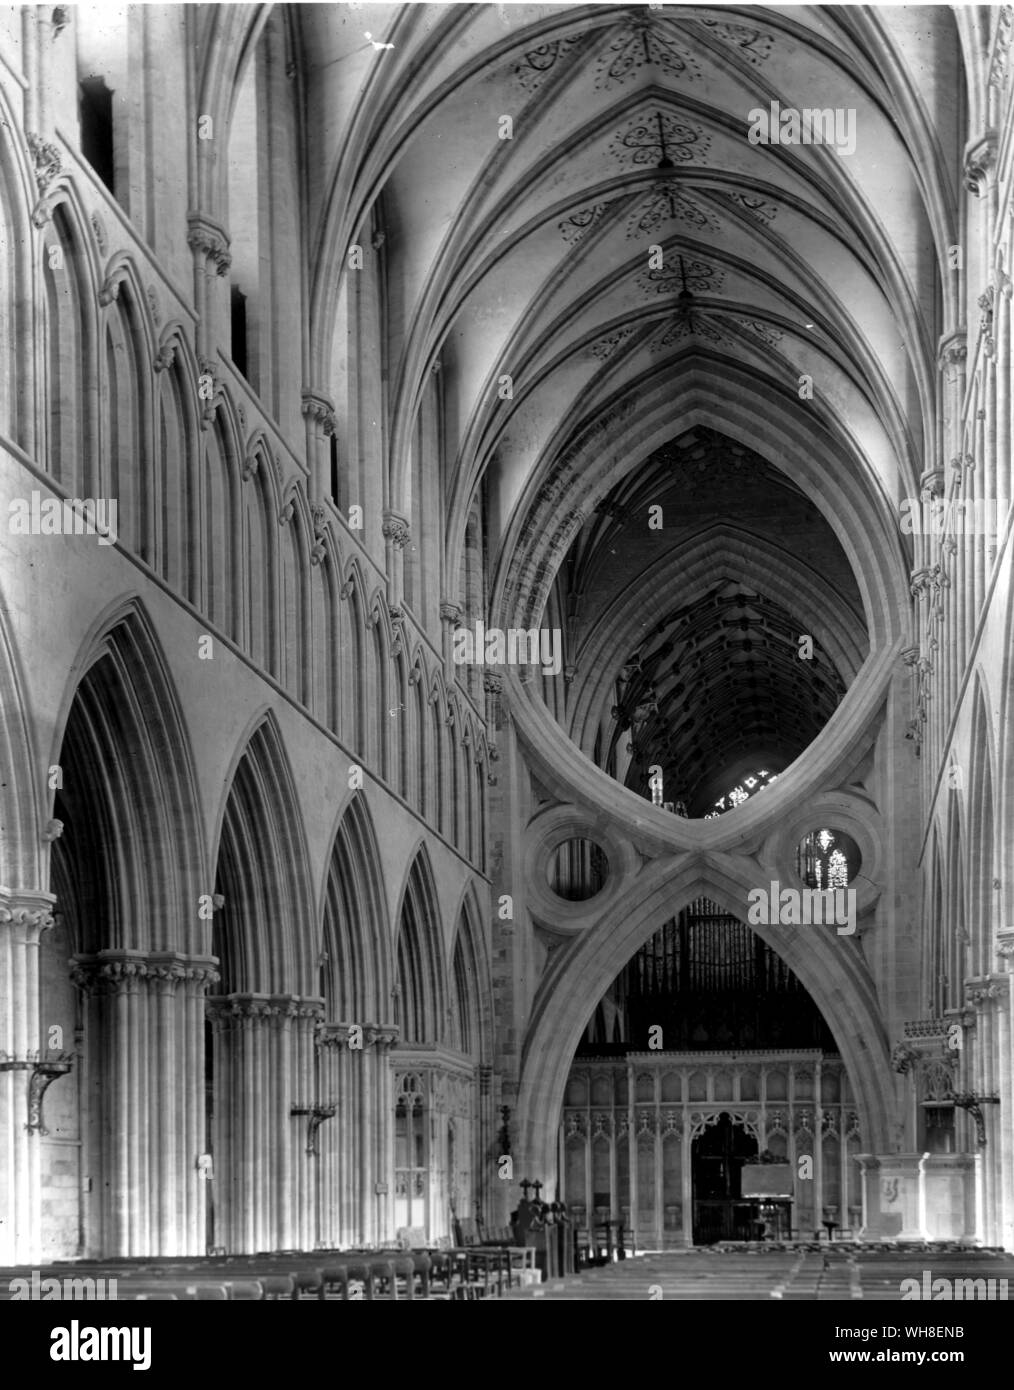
(769, 1185)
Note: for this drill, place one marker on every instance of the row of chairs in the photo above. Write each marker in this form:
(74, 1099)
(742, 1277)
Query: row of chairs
(459, 1273)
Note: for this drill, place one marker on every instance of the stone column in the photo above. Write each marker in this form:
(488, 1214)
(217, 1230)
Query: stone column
(23, 919)
(143, 1118)
(382, 1038)
(318, 412)
(450, 616)
(210, 244)
(397, 533)
(263, 1068)
(336, 1180)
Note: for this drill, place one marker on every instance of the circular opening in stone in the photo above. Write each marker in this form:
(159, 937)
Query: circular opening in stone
(577, 870)
(827, 858)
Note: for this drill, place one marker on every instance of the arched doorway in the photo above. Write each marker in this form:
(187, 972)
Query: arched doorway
(717, 1157)
(705, 1049)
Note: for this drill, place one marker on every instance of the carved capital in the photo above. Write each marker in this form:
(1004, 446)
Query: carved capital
(396, 529)
(252, 1011)
(320, 409)
(133, 972)
(450, 612)
(208, 240)
(27, 922)
(492, 684)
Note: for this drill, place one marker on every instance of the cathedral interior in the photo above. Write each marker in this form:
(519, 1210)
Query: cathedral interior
(498, 518)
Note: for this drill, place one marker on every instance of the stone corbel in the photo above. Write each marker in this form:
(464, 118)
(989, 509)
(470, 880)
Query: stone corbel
(316, 1115)
(43, 1076)
(953, 349)
(110, 288)
(46, 158)
(165, 357)
(396, 529)
(973, 1104)
(980, 161)
(53, 831)
(931, 484)
(320, 409)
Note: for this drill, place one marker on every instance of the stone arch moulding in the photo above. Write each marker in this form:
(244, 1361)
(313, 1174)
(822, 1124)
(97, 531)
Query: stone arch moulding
(830, 968)
(545, 833)
(573, 777)
(125, 634)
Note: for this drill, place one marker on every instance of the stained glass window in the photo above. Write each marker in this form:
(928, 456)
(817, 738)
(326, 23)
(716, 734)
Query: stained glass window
(827, 859)
(744, 789)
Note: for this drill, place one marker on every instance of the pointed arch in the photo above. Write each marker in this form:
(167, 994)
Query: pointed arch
(177, 450)
(22, 852)
(355, 682)
(355, 970)
(956, 938)
(263, 933)
(129, 799)
(223, 581)
(259, 541)
(126, 393)
(838, 981)
(422, 995)
(295, 597)
(17, 269)
(471, 1008)
(982, 833)
(71, 335)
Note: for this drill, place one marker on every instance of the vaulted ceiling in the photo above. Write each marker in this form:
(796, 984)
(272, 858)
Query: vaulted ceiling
(571, 201)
